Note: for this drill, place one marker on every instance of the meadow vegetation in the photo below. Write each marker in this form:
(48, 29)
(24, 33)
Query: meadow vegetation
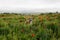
(42, 27)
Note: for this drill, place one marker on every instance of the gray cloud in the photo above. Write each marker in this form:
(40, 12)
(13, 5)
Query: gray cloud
(20, 5)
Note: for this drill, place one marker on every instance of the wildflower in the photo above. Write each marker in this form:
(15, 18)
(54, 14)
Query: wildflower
(33, 35)
(48, 18)
(41, 18)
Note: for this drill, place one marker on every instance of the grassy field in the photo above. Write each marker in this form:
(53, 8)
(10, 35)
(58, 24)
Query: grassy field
(30, 27)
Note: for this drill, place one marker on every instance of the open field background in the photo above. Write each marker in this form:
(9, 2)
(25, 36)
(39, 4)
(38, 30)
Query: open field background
(30, 27)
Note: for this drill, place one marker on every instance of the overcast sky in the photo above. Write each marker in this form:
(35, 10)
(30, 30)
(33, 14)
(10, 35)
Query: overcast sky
(29, 5)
